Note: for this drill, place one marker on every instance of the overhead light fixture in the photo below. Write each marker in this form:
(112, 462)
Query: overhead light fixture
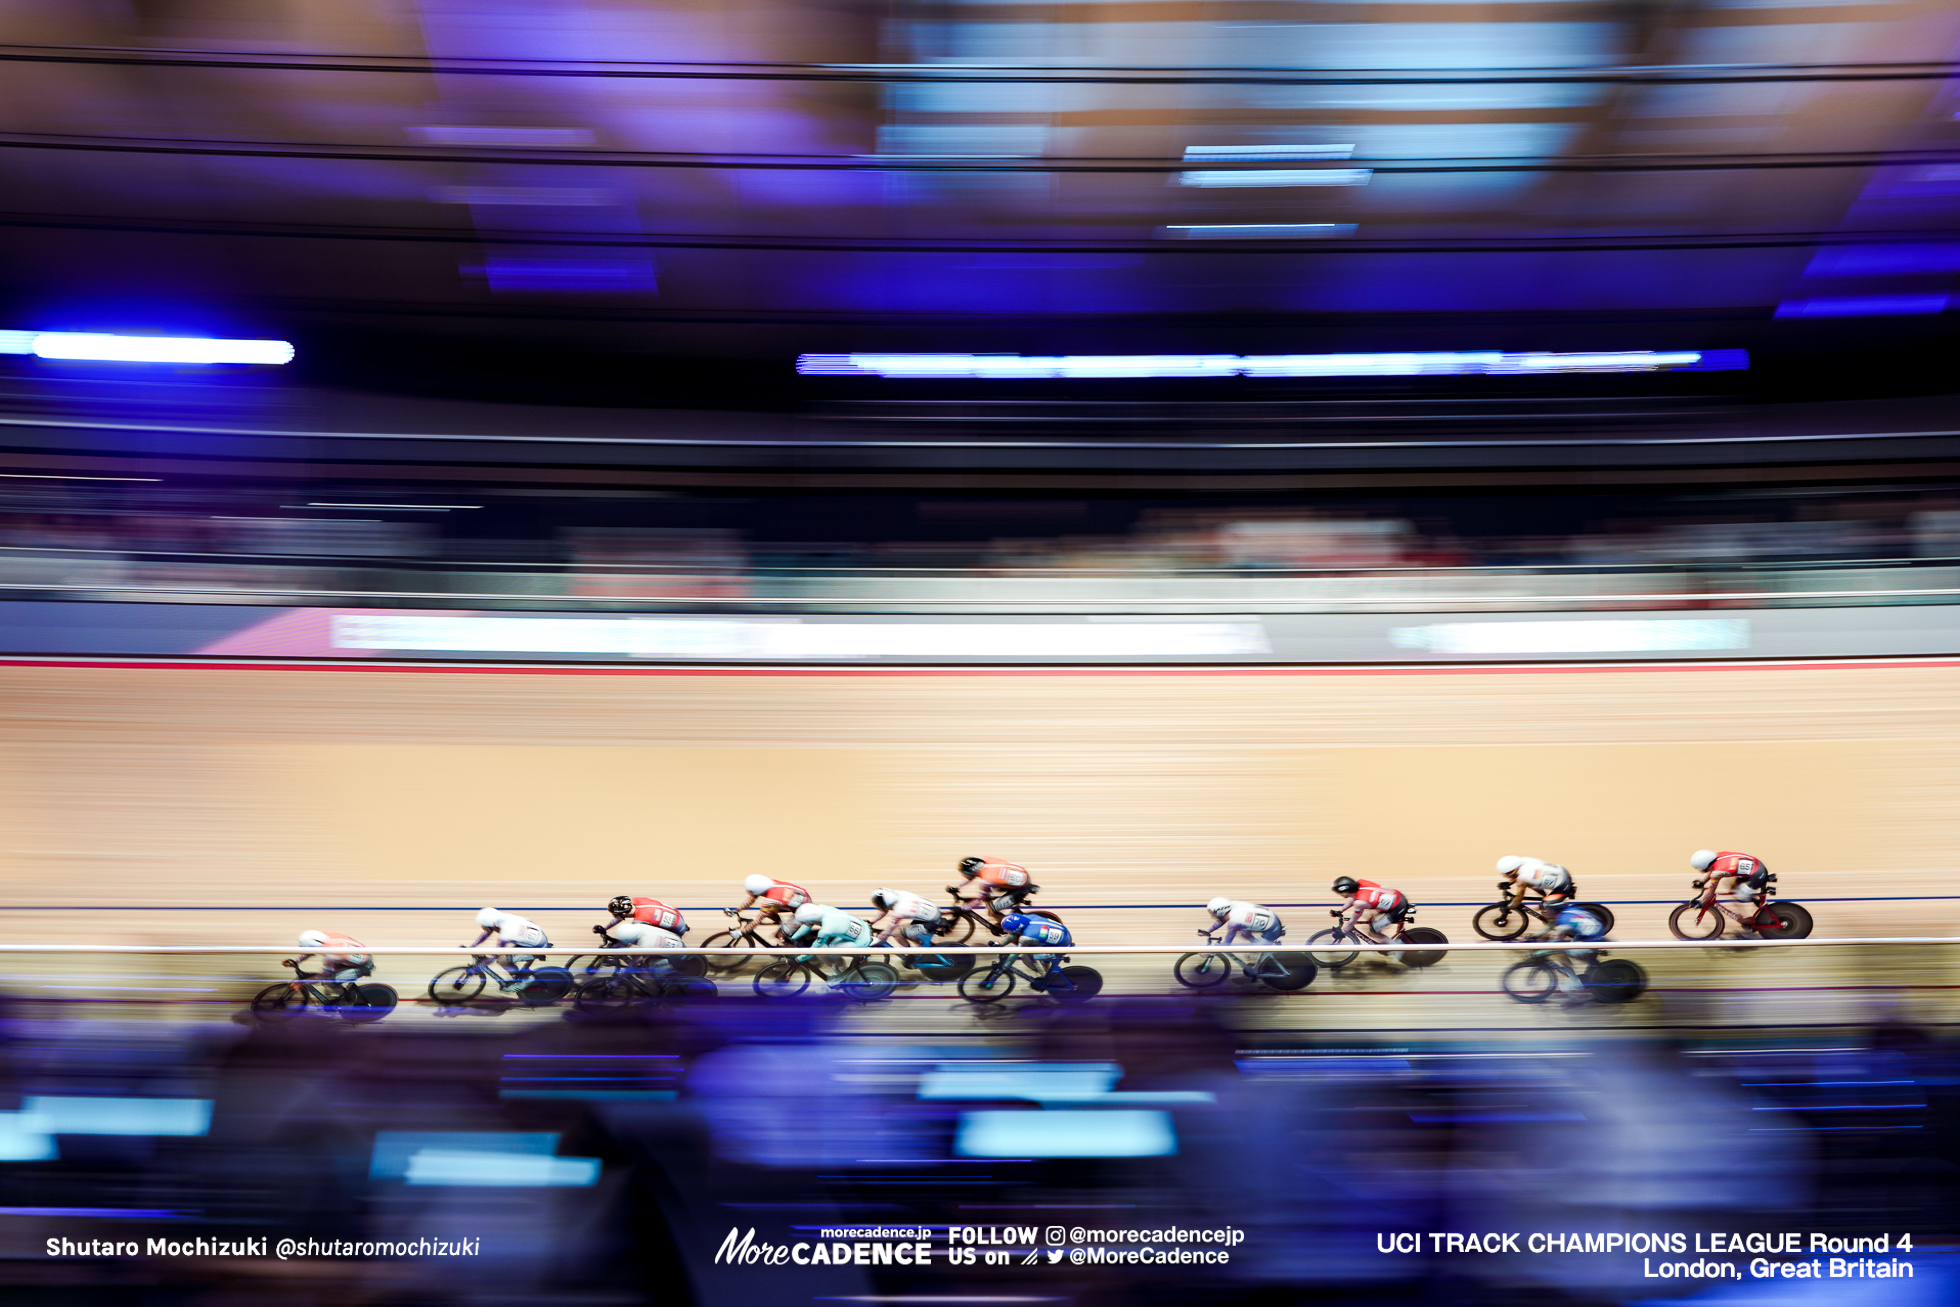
(1276, 177)
(1075, 366)
(1264, 153)
(102, 347)
(1257, 231)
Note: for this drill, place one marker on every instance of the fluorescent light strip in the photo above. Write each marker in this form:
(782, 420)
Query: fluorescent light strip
(105, 348)
(1264, 153)
(1078, 366)
(1256, 231)
(1277, 177)
(420, 508)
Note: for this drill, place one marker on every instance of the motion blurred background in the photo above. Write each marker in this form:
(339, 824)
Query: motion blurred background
(456, 452)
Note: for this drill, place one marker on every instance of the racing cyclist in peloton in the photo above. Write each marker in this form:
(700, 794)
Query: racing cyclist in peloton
(1258, 924)
(1747, 876)
(822, 926)
(1025, 931)
(901, 911)
(1369, 903)
(1570, 921)
(512, 932)
(341, 959)
(642, 923)
(1553, 882)
(998, 884)
(771, 898)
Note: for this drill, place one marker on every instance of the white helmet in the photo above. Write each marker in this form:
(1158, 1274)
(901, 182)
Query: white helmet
(811, 913)
(756, 884)
(488, 918)
(1219, 906)
(1702, 859)
(1509, 863)
(312, 938)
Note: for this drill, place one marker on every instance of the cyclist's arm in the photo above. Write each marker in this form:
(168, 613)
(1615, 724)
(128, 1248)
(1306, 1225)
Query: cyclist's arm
(1518, 889)
(479, 939)
(1232, 932)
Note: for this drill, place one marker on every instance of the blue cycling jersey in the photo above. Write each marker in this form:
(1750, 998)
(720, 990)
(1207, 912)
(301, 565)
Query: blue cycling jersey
(1039, 930)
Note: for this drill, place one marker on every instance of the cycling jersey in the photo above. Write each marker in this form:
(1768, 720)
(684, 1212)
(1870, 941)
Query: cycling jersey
(1039, 932)
(1743, 867)
(340, 958)
(837, 929)
(1575, 922)
(1378, 897)
(1007, 875)
(514, 931)
(913, 907)
(1545, 877)
(638, 934)
(655, 913)
(1254, 920)
(782, 895)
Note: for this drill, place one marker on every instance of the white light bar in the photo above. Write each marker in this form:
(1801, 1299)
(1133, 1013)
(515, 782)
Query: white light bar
(728, 639)
(1486, 363)
(104, 348)
(1257, 231)
(1653, 635)
(1276, 177)
(1264, 153)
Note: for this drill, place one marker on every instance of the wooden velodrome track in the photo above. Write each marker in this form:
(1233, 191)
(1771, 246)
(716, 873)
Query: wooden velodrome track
(319, 796)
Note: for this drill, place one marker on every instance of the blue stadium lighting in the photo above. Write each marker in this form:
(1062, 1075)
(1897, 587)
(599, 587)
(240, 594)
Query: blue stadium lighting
(1078, 366)
(1277, 177)
(101, 347)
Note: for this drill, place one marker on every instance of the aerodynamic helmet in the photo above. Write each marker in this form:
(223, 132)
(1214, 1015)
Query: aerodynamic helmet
(621, 906)
(312, 938)
(811, 913)
(1219, 906)
(1015, 922)
(1346, 885)
(970, 865)
(1702, 859)
(488, 918)
(757, 884)
(1509, 863)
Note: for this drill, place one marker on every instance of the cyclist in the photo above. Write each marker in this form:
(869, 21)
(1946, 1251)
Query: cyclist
(1369, 903)
(340, 957)
(771, 898)
(902, 911)
(1553, 882)
(1258, 924)
(1747, 876)
(513, 932)
(999, 884)
(1035, 932)
(642, 923)
(1571, 922)
(823, 926)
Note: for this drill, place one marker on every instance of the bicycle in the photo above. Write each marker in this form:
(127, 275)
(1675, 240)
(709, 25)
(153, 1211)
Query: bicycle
(958, 922)
(1536, 978)
(862, 980)
(742, 934)
(355, 1000)
(1500, 921)
(535, 986)
(1706, 917)
(1064, 984)
(1287, 973)
(1335, 958)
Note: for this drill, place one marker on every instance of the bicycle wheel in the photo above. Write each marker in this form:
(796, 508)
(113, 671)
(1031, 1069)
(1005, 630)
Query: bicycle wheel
(1328, 957)
(371, 1002)
(548, 985)
(867, 982)
(785, 979)
(1783, 921)
(1617, 980)
(1600, 910)
(1423, 935)
(1286, 972)
(280, 1002)
(1203, 970)
(989, 986)
(1693, 920)
(727, 964)
(960, 925)
(1531, 981)
(602, 993)
(1500, 921)
(457, 985)
(1076, 984)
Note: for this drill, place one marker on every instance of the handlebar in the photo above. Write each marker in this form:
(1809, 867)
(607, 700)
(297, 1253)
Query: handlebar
(288, 962)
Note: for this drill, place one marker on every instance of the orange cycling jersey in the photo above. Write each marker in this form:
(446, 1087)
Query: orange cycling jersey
(655, 913)
(784, 894)
(1007, 875)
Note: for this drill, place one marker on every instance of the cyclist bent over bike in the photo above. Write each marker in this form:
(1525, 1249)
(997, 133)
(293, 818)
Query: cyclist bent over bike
(1369, 903)
(341, 960)
(1747, 876)
(642, 923)
(1258, 924)
(900, 911)
(1036, 932)
(822, 926)
(513, 932)
(771, 898)
(1571, 922)
(1001, 885)
(1553, 882)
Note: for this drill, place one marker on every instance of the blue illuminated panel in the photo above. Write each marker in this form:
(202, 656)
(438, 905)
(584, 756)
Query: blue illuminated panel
(1074, 366)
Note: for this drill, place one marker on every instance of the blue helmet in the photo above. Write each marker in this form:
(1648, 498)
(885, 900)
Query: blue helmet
(1015, 922)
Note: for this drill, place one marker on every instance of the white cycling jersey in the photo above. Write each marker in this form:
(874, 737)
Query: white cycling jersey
(638, 934)
(1545, 877)
(914, 907)
(520, 932)
(1252, 918)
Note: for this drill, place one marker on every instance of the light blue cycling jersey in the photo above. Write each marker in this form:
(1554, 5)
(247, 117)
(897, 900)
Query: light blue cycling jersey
(837, 929)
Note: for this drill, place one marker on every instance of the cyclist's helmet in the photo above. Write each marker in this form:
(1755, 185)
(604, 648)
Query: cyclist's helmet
(1509, 863)
(884, 898)
(970, 865)
(1219, 906)
(1015, 922)
(312, 938)
(757, 884)
(811, 913)
(621, 906)
(1346, 885)
(1702, 859)
(488, 918)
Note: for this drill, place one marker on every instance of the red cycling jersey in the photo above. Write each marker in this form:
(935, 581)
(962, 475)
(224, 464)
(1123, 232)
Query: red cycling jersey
(1736, 864)
(1380, 897)
(1007, 875)
(655, 913)
(784, 895)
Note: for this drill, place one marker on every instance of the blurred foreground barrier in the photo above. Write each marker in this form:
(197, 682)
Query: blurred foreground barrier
(450, 950)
